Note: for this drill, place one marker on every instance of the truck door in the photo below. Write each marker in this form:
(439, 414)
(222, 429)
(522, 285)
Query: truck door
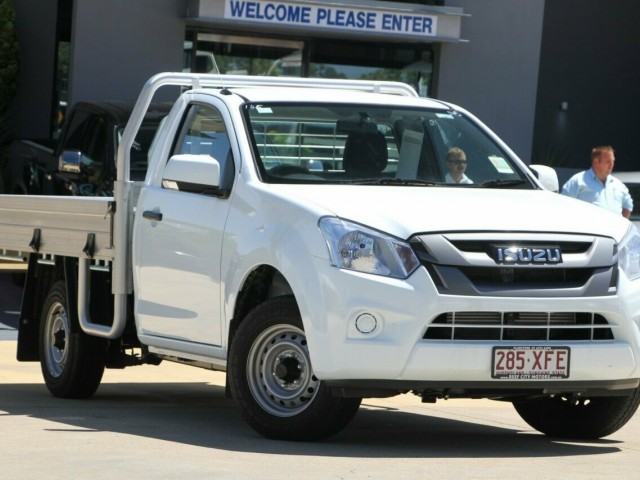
(177, 254)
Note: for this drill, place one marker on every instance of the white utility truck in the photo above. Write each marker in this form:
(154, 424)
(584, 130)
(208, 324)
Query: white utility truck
(301, 235)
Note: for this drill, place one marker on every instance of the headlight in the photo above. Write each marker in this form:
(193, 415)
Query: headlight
(356, 247)
(629, 254)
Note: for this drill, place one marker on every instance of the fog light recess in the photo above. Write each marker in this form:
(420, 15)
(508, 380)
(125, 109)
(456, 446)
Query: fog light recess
(366, 323)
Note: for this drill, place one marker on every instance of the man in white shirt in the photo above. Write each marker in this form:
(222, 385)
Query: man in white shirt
(598, 186)
(456, 164)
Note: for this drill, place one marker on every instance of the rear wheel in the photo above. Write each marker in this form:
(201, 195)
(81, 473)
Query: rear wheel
(72, 362)
(577, 417)
(272, 380)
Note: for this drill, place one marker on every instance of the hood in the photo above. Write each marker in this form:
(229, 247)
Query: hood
(404, 211)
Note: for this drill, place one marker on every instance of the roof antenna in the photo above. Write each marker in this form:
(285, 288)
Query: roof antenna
(223, 90)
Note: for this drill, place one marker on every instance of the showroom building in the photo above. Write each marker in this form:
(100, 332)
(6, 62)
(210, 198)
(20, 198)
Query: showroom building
(519, 66)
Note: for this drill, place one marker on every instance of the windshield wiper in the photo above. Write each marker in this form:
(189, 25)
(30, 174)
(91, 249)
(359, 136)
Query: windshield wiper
(392, 181)
(501, 183)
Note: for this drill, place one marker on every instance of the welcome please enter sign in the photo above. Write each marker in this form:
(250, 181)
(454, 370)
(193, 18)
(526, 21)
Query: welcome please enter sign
(331, 16)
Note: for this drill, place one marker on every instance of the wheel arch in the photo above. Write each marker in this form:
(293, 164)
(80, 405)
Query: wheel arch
(40, 279)
(264, 282)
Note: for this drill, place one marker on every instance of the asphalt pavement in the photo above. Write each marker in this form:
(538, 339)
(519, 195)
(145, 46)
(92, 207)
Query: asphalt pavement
(173, 421)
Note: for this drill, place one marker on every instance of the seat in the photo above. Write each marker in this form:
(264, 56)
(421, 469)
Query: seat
(365, 154)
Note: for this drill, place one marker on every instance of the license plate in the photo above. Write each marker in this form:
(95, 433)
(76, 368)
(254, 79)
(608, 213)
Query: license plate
(530, 363)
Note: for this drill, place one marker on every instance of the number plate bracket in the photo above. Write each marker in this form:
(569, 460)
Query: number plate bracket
(530, 362)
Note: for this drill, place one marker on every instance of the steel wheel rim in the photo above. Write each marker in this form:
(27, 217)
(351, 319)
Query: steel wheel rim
(55, 338)
(279, 371)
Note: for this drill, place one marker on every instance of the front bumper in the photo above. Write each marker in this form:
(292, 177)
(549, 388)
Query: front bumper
(366, 330)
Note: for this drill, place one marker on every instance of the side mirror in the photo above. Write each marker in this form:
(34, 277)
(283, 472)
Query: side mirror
(70, 161)
(192, 173)
(73, 163)
(547, 177)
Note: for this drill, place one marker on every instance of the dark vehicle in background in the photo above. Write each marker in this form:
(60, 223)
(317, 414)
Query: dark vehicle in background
(82, 162)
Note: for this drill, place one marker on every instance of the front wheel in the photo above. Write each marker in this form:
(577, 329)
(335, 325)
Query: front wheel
(577, 417)
(72, 362)
(272, 380)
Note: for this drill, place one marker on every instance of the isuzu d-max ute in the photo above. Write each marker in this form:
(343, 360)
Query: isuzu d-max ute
(301, 235)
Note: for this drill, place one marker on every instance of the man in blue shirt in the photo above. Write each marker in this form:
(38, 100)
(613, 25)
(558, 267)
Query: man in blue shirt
(597, 186)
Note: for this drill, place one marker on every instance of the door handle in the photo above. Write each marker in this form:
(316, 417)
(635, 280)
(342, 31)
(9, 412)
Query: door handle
(151, 215)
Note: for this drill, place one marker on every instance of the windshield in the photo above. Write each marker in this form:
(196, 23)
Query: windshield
(373, 144)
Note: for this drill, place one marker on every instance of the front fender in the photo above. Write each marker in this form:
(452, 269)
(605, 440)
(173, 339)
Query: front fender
(265, 233)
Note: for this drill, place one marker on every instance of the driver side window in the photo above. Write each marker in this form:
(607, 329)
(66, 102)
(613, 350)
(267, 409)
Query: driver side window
(205, 132)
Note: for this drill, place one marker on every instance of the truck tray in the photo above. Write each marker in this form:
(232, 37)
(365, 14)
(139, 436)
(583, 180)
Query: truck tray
(52, 225)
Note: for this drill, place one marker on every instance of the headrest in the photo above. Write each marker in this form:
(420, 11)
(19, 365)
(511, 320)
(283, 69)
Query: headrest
(365, 153)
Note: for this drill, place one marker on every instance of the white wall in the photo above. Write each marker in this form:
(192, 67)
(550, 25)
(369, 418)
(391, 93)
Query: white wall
(119, 44)
(495, 75)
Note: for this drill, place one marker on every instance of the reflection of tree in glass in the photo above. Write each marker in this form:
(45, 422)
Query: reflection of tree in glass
(318, 70)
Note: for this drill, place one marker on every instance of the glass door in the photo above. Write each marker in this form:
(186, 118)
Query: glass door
(236, 55)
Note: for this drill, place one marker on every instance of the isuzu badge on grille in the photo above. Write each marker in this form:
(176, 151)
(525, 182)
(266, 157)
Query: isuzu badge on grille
(523, 255)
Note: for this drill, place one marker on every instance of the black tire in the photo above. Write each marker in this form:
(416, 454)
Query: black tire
(72, 362)
(577, 417)
(272, 381)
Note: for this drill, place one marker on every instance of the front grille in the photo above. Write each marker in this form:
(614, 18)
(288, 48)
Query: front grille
(548, 277)
(519, 326)
(482, 246)
(473, 264)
